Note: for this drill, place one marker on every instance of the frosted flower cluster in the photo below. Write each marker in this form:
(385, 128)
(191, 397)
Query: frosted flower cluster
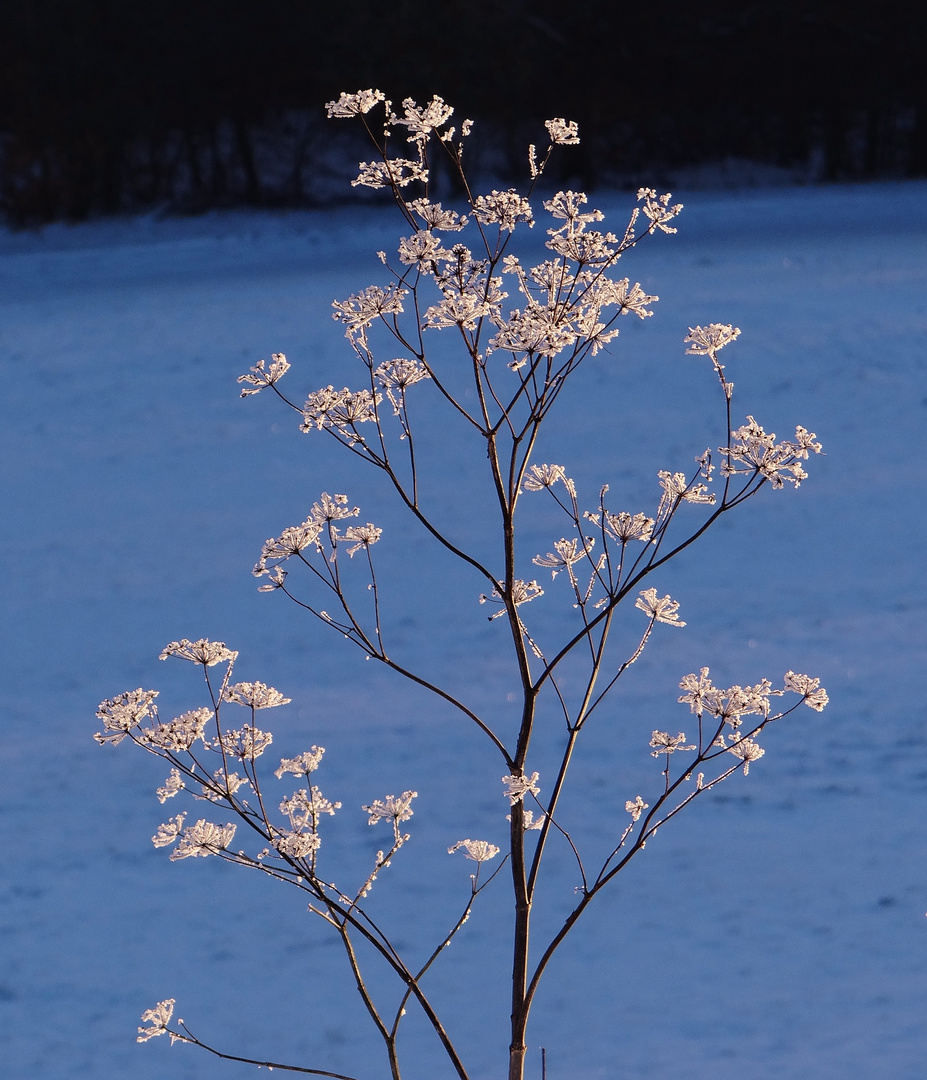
(660, 609)
(478, 850)
(523, 592)
(303, 764)
(517, 787)
(255, 695)
(207, 653)
(295, 539)
(158, 1018)
(260, 377)
(664, 743)
(393, 808)
(121, 714)
(180, 734)
(729, 705)
(754, 451)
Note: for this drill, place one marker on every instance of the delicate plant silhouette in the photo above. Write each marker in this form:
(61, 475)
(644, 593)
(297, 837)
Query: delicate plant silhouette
(511, 366)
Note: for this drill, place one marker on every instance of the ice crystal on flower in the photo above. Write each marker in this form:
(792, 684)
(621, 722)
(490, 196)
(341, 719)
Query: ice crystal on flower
(657, 208)
(259, 377)
(635, 807)
(629, 299)
(179, 734)
(256, 695)
(290, 542)
(676, 487)
(224, 785)
(304, 808)
(707, 340)
(423, 248)
(566, 552)
(435, 217)
(755, 451)
(248, 742)
(523, 592)
(663, 609)
(297, 845)
(121, 714)
(747, 750)
(516, 787)
(727, 705)
(172, 785)
(361, 536)
(301, 765)
(394, 808)
(332, 508)
(349, 105)
(815, 698)
(158, 1017)
(623, 526)
(422, 120)
(664, 743)
(372, 303)
(339, 409)
(540, 477)
(562, 132)
(396, 376)
(202, 839)
(478, 850)
(394, 172)
(503, 208)
(208, 653)
(169, 831)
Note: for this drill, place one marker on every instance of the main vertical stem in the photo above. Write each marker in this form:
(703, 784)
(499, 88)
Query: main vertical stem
(517, 1046)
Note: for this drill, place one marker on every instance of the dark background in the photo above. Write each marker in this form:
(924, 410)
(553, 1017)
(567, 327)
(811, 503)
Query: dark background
(108, 105)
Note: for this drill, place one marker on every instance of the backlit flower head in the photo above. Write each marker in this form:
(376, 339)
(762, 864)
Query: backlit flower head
(660, 609)
(302, 764)
(814, 697)
(478, 850)
(255, 694)
(394, 808)
(208, 653)
(664, 743)
(259, 377)
(516, 787)
(349, 105)
(121, 714)
(158, 1017)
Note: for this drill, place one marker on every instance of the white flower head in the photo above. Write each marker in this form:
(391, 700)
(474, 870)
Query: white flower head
(121, 714)
(357, 104)
(662, 609)
(169, 831)
(747, 750)
(658, 209)
(172, 785)
(202, 839)
(259, 377)
(562, 132)
(664, 743)
(361, 536)
(301, 765)
(635, 807)
(519, 786)
(394, 808)
(523, 592)
(158, 1017)
(255, 694)
(248, 742)
(207, 653)
(707, 340)
(180, 734)
(503, 208)
(540, 477)
(478, 850)
(814, 697)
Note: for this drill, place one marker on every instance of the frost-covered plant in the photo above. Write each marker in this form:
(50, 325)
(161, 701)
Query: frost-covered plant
(455, 272)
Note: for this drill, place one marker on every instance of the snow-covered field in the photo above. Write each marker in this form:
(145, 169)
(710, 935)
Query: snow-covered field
(775, 930)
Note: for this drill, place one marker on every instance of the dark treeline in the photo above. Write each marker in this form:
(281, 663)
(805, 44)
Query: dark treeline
(107, 105)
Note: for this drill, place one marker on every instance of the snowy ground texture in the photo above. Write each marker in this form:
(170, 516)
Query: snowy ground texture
(775, 930)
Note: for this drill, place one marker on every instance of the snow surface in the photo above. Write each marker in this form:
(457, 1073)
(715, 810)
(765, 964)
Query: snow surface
(776, 929)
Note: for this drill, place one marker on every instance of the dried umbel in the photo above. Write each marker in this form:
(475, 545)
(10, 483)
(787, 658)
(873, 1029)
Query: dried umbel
(522, 330)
